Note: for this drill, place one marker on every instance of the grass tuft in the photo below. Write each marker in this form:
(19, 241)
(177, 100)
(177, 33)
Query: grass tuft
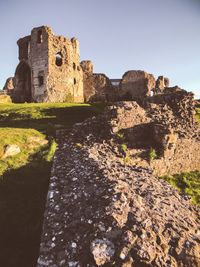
(187, 183)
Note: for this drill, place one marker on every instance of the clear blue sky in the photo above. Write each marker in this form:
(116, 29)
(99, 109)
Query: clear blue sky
(159, 36)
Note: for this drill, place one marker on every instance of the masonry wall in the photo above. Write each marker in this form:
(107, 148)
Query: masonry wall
(65, 82)
(39, 62)
(185, 157)
(170, 128)
(96, 86)
(23, 83)
(135, 84)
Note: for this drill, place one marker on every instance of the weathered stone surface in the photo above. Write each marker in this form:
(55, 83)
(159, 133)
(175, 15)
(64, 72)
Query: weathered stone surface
(11, 150)
(104, 211)
(136, 84)
(103, 250)
(125, 115)
(161, 83)
(97, 87)
(174, 109)
(87, 66)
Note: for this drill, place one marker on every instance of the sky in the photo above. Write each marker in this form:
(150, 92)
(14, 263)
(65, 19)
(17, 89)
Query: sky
(161, 37)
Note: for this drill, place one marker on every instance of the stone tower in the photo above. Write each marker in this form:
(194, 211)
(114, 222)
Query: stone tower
(49, 69)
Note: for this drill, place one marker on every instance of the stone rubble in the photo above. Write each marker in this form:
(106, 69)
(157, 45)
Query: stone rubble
(103, 211)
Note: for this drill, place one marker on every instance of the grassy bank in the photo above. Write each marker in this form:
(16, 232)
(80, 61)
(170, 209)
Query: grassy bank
(45, 117)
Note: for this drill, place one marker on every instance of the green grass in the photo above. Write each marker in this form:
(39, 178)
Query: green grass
(187, 183)
(29, 141)
(25, 177)
(198, 113)
(152, 154)
(18, 122)
(45, 117)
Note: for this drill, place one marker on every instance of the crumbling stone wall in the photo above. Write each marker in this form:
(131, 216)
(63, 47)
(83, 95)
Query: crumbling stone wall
(174, 109)
(175, 131)
(161, 83)
(39, 62)
(104, 211)
(167, 123)
(124, 115)
(49, 69)
(97, 86)
(9, 84)
(65, 81)
(136, 84)
(8, 89)
(180, 155)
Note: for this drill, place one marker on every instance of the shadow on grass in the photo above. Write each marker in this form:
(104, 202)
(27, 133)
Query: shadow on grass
(63, 117)
(22, 202)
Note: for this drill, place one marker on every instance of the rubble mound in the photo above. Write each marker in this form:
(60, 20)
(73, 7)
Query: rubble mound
(103, 211)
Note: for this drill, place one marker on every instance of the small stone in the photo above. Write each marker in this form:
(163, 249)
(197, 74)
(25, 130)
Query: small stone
(73, 264)
(143, 236)
(74, 245)
(53, 245)
(122, 256)
(11, 150)
(103, 250)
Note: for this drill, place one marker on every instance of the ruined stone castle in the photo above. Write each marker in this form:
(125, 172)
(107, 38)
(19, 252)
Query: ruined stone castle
(105, 206)
(50, 70)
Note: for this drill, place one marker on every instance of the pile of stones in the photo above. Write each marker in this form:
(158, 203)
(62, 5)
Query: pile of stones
(103, 211)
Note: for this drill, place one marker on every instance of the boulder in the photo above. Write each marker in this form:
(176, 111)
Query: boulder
(11, 150)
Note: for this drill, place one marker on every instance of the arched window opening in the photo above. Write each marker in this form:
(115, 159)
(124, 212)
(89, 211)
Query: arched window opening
(74, 81)
(59, 59)
(39, 37)
(41, 78)
(74, 66)
(23, 83)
